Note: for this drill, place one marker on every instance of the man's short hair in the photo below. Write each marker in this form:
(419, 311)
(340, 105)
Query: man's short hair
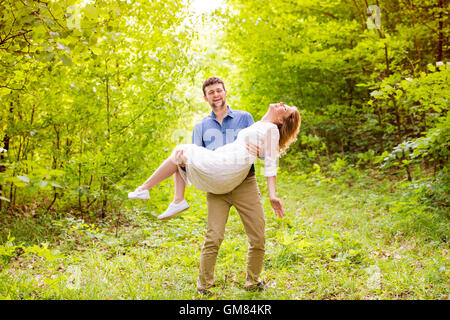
(210, 81)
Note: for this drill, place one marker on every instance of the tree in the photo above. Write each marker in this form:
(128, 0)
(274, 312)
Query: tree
(91, 97)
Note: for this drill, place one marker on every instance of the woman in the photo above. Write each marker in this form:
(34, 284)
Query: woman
(223, 169)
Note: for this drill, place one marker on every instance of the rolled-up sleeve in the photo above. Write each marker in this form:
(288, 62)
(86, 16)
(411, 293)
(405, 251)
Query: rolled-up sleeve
(250, 120)
(271, 152)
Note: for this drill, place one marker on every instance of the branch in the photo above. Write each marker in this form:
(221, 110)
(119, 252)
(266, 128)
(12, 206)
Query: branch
(56, 20)
(145, 110)
(12, 25)
(323, 12)
(49, 11)
(12, 11)
(7, 87)
(29, 44)
(38, 1)
(14, 36)
(53, 201)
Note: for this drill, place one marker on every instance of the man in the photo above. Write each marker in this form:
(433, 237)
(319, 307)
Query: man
(220, 128)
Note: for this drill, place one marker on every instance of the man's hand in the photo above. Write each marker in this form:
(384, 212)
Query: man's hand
(255, 150)
(277, 206)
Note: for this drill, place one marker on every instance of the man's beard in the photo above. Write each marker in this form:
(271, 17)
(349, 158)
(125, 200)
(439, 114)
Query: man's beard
(220, 104)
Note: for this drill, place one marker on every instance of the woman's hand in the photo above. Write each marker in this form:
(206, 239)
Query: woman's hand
(277, 206)
(274, 201)
(180, 159)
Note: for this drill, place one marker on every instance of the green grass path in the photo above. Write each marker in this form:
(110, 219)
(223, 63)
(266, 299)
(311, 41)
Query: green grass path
(340, 239)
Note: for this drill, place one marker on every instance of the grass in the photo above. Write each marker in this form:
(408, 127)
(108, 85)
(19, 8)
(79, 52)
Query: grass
(343, 238)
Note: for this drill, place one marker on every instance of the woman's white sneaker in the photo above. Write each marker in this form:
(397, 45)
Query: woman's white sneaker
(173, 210)
(143, 194)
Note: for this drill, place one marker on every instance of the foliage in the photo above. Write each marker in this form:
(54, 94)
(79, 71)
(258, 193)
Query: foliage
(89, 100)
(94, 94)
(359, 87)
(335, 242)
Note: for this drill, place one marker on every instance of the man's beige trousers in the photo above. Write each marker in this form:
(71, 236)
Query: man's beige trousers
(247, 201)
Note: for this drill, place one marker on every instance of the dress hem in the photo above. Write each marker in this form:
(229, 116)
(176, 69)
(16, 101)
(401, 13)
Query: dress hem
(184, 175)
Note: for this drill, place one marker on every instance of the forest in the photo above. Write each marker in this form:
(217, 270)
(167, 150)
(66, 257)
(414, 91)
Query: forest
(95, 94)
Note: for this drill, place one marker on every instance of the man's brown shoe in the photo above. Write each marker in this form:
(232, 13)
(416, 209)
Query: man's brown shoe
(204, 292)
(260, 286)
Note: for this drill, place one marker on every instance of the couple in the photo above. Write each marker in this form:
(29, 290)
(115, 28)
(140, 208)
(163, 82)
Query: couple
(224, 169)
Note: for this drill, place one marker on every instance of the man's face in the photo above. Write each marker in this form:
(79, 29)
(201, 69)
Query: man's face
(215, 95)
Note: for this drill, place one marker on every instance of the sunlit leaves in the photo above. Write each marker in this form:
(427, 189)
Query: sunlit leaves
(367, 89)
(98, 84)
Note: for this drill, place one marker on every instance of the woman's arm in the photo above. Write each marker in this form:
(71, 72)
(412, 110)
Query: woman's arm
(274, 200)
(270, 168)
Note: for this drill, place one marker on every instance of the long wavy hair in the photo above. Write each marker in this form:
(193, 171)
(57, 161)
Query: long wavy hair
(289, 130)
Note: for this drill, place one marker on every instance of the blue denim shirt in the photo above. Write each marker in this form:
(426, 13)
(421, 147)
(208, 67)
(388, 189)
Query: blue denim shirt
(210, 134)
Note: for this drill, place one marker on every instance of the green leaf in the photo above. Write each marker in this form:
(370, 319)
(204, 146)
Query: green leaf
(55, 184)
(97, 51)
(24, 179)
(91, 12)
(42, 183)
(66, 60)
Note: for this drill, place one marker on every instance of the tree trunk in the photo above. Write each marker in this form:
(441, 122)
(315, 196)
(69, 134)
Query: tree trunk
(104, 185)
(361, 15)
(441, 31)
(416, 41)
(6, 140)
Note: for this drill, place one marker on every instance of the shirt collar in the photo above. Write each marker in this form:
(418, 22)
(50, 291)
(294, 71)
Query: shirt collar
(229, 113)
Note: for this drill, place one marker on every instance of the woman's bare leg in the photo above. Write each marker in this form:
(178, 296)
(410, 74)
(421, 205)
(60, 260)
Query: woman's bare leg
(179, 187)
(165, 170)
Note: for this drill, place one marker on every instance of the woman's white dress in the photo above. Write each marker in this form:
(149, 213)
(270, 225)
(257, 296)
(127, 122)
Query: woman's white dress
(222, 170)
